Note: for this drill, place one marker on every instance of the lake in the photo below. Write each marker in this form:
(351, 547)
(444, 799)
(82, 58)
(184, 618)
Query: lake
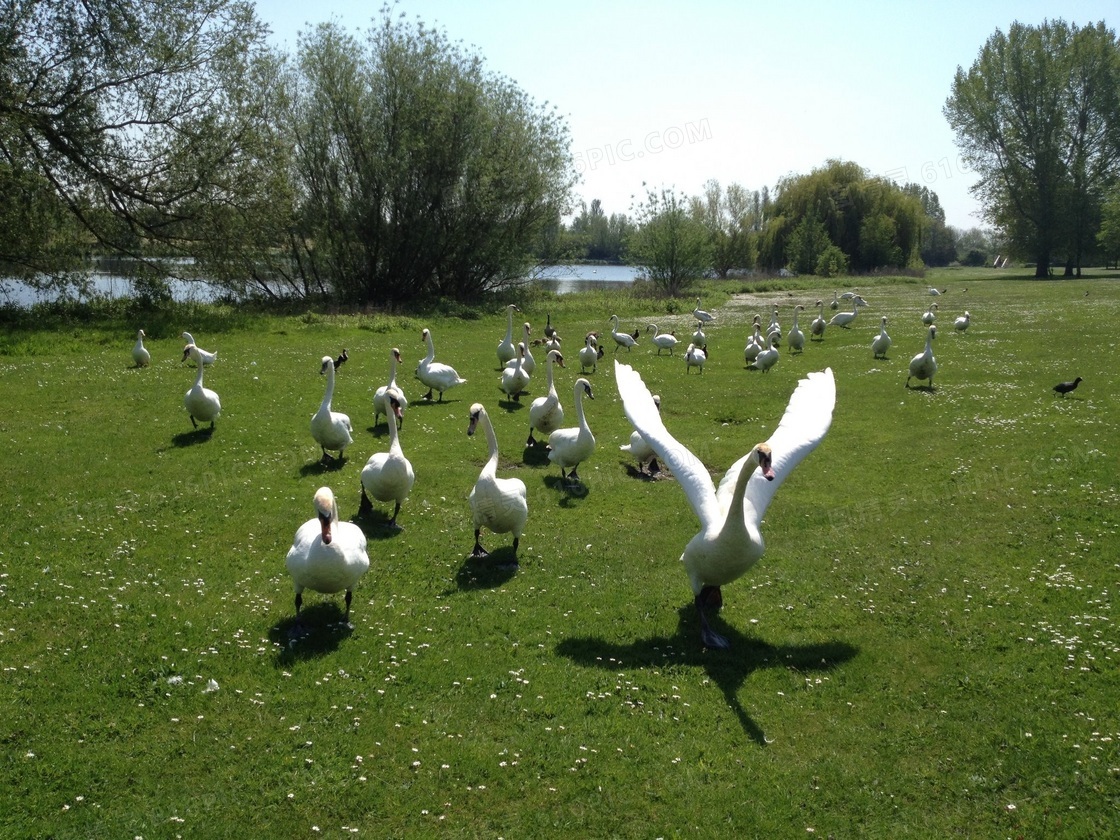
(563, 279)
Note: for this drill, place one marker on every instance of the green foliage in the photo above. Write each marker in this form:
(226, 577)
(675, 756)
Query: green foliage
(671, 245)
(831, 263)
(595, 237)
(732, 218)
(1109, 235)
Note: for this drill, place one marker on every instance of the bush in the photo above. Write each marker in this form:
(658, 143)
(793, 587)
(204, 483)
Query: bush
(832, 262)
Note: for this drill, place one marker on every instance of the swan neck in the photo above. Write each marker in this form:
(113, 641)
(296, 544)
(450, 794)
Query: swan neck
(491, 441)
(198, 376)
(329, 393)
(431, 351)
(579, 407)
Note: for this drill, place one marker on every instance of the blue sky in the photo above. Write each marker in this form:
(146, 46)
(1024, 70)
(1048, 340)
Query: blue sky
(674, 94)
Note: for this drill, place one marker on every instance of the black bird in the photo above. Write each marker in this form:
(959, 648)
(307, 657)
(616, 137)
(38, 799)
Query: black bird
(1064, 388)
(549, 330)
(341, 360)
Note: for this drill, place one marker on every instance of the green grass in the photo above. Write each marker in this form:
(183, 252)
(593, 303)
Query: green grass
(927, 649)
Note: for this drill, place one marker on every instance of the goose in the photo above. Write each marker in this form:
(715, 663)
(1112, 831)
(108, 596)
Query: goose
(816, 329)
(201, 403)
(639, 447)
(507, 350)
(767, 358)
(500, 504)
(1064, 388)
(930, 315)
(589, 354)
(549, 330)
(664, 341)
(343, 357)
(331, 429)
(702, 316)
(207, 357)
(730, 540)
(437, 376)
(755, 345)
(388, 476)
(844, 319)
(546, 414)
(140, 353)
(835, 302)
(695, 357)
(327, 555)
(882, 342)
(924, 365)
(568, 448)
(796, 338)
(381, 395)
(621, 339)
(514, 377)
(961, 324)
(698, 337)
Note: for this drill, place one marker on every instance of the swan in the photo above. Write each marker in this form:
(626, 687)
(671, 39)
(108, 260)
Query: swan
(500, 504)
(796, 338)
(835, 302)
(437, 376)
(730, 540)
(207, 357)
(854, 293)
(962, 322)
(882, 342)
(639, 447)
(388, 476)
(514, 377)
(930, 315)
(767, 358)
(140, 353)
(664, 341)
(816, 329)
(775, 328)
(589, 354)
(551, 343)
(621, 339)
(695, 357)
(201, 403)
(331, 429)
(702, 316)
(568, 448)
(327, 555)
(755, 345)
(924, 365)
(844, 319)
(528, 363)
(935, 293)
(698, 337)
(507, 350)
(546, 414)
(381, 395)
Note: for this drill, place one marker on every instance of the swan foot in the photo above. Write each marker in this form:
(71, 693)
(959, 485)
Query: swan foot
(393, 520)
(478, 551)
(710, 596)
(193, 423)
(654, 467)
(532, 441)
(365, 506)
(428, 396)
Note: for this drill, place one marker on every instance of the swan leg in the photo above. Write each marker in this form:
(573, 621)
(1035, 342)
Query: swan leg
(654, 467)
(349, 597)
(299, 603)
(428, 395)
(710, 596)
(193, 423)
(532, 441)
(478, 551)
(396, 510)
(366, 506)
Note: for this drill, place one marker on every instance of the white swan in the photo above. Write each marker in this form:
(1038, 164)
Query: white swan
(816, 329)
(327, 555)
(962, 323)
(882, 342)
(201, 403)
(639, 447)
(935, 292)
(500, 504)
(589, 354)
(767, 358)
(930, 314)
(514, 377)
(506, 348)
(568, 448)
(844, 319)
(702, 316)
(528, 363)
(140, 353)
(388, 476)
(796, 338)
(755, 345)
(381, 395)
(835, 302)
(331, 429)
(924, 365)
(695, 357)
(621, 339)
(546, 415)
(664, 341)
(730, 541)
(207, 357)
(774, 329)
(437, 376)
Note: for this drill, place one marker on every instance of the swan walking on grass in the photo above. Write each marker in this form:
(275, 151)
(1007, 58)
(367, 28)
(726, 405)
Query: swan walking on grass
(201, 403)
(500, 504)
(730, 540)
(331, 429)
(546, 415)
(816, 329)
(589, 354)
(568, 448)
(514, 376)
(207, 357)
(963, 322)
(882, 342)
(702, 316)
(140, 353)
(695, 357)
(388, 476)
(930, 314)
(767, 358)
(924, 365)
(796, 338)
(381, 395)
(844, 319)
(664, 341)
(506, 348)
(437, 376)
(621, 339)
(327, 555)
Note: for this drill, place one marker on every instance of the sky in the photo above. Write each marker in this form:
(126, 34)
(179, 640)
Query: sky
(671, 95)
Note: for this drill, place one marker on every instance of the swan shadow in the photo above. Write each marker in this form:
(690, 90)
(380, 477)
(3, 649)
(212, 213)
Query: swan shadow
(318, 631)
(511, 405)
(925, 389)
(321, 466)
(727, 669)
(634, 472)
(193, 437)
(489, 572)
(375, 524)
(536, 456)
(573, 491)
(423, 403)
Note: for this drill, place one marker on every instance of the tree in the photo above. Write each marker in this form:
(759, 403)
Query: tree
(1037, 116)
(670, 244)
(938, 242)
(728, 215)
(1108, 237)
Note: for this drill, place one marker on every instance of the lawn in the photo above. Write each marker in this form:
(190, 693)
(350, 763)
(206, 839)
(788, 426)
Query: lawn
(928, 647)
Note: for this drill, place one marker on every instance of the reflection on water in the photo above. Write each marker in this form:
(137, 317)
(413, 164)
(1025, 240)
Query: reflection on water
(564, 279)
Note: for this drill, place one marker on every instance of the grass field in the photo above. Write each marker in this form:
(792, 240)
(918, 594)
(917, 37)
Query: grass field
(928, 648)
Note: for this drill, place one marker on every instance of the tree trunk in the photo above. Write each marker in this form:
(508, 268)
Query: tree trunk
(1042, 266)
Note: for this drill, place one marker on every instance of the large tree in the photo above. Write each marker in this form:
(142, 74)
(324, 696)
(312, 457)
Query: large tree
(671, 245)
(728, 215)
(1037, 116)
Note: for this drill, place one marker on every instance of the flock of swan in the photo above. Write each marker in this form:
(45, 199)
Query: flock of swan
(330, 556)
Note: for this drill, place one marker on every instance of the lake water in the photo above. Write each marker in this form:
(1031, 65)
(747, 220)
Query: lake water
(563, 279)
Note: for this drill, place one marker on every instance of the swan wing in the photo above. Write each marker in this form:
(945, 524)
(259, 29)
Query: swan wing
(691, 474)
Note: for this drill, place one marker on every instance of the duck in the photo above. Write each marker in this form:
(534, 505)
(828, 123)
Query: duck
(755, 345)
(437, 376)
(570, 447)
(342, 359)
(664, 341)
(796, 338)
(882, 342)
(924, 365)
(499, 504)
(207, 357)
(639, 447)
(546, 415)
(327, 555)
(140, 353)
(621, 339)
(835, 302)
(730, 541)
(514, 377)
(589, 354)
(930, 314)
(767, 358)
(699, 338)
(695, 357)
(1064, 388)
(381, 395)
(816, 328)
(388, 476)
(702, 316)
(201, 403)
(507, 350)
(331, 429)
(844, 319)
(962, 323)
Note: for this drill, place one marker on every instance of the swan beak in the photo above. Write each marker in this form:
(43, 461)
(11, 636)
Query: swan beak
(325, 523)
(472, 425)
(765, 463)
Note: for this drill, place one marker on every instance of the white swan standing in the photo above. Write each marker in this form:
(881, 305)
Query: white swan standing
(327, 555)
(140, 353)
(568, 448)
(621, 339)
(844, 319)
(388, 476)
(514, 378)
(201, 403)
(730, 540)
(381, 395)
(206, 357)
(589, 354)
(528, 363)
(639, 447)
(882, 342)
(500, 504)
(506, 348)
(774, 330)
(816, 329)
(546, 415)
(930, 314)
(695, 357)
(699, 338)
(767, 358)
(835, 302)
(437, 376)
(664, 341)
(755, 345)
(962, 323)
(331, 429)
(924, 365)
(702, 316)
(796, 338)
